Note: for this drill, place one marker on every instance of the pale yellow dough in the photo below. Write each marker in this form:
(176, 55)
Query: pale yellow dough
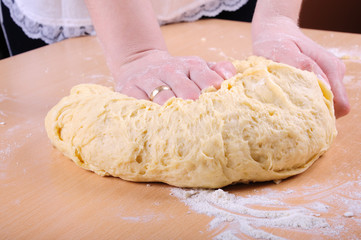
(269, 122)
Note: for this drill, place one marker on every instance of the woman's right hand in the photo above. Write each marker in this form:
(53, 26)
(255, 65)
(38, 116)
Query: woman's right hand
(186, 77)
(137, 54)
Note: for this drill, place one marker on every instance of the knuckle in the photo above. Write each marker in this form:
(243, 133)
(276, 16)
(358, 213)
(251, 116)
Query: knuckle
(228, 65)
(225, 67)
(168, 68)
(123, 87)
(336, 65)
(196, 61)
(305, 64)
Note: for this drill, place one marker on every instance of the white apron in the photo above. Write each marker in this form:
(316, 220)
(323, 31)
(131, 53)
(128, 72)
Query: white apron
(55, 20)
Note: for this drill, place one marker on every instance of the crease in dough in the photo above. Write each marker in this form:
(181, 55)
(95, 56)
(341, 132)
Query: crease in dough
(268, 122)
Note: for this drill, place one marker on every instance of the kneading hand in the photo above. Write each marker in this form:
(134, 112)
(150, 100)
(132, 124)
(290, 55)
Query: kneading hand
(281, 40)
(186, 77)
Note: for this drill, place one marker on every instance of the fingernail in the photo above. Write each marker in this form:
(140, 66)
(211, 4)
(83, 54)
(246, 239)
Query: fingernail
(319, 76)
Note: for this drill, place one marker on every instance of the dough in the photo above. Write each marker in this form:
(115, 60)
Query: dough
(268, 122)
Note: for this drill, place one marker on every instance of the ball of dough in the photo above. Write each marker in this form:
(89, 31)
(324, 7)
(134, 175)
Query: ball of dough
(268, 122)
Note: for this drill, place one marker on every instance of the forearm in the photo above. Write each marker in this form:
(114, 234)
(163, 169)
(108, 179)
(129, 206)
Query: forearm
(274, 8)
(125, 29)
(274, 12)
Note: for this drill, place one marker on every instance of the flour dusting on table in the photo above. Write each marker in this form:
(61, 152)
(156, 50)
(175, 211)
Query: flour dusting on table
(351, 53)
(255, 215)
(240, 213)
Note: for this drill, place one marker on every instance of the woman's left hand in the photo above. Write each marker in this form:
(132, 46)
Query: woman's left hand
(281, 40)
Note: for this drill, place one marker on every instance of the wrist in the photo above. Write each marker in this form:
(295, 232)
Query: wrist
(275, 8)
(275, 24)
(275, 13)
(118, 66)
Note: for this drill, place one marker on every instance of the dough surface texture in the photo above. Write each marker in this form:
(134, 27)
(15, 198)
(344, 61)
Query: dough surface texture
(269, 122)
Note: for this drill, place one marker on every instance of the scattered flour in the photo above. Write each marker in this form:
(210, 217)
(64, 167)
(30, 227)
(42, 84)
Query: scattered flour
(320, 207)
(3, 96)
(221, 53)
(227, 235)
(241, 215)
(326, 211)
(348, 214)
(146, 218)
(348, 79)
(353, 53)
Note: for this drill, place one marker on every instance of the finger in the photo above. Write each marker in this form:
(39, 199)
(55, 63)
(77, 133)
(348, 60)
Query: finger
(163, 96)
(306, 63)
(341, 103)
(182, 86)
(200, 73)
(211, 65)
(300, 60)
(334, 69)
(132, 91)
(293, 56)
(225, 69)
(150, 84)
(204, 77)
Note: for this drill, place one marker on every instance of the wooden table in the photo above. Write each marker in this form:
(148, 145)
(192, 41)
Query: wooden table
(43, 195)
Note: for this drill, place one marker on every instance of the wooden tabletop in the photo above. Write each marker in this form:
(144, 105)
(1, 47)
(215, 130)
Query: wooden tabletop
(44, 195)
